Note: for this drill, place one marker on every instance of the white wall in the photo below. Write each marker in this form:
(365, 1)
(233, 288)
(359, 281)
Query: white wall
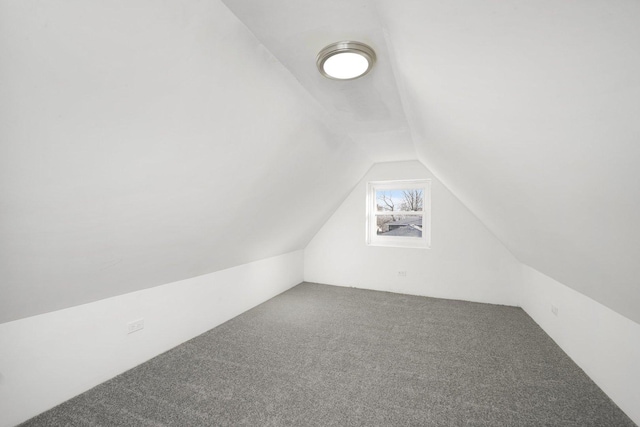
(465, 260)
(603, 343)
(49, 358)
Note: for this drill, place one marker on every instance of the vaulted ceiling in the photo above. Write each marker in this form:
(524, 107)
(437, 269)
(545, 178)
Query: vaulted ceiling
(528, 111)
(146, 143)
(130, 131)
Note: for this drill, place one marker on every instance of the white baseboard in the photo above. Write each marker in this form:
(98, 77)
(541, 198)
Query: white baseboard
(603, 343)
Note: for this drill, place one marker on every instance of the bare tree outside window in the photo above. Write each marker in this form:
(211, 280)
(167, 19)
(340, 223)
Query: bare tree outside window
(413, 200)
(400, 202)
(385, 201)
(398, 213)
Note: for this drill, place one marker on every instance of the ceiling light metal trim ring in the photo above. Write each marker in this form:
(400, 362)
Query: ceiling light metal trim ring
(343, 47)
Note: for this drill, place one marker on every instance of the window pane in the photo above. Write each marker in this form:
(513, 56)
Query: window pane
(399, 200)
(399, 225)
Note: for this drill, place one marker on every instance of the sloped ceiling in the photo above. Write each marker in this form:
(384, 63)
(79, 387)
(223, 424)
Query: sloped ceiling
(138, 139)
(368, 110)
(529, 111)
(146, 142)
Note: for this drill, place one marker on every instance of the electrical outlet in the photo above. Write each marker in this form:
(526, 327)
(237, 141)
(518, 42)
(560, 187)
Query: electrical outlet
(135, 326)
(554, 310)
(402, 273)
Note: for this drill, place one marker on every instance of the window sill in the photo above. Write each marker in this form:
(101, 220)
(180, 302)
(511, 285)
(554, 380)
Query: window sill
(400, 244)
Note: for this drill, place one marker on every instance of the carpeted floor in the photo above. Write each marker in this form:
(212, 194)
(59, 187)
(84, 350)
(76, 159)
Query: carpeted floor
(320, 355)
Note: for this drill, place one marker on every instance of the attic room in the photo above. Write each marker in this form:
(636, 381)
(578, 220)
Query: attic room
(207, 219)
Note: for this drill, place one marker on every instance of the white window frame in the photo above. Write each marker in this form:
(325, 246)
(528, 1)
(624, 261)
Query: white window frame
(373, 239)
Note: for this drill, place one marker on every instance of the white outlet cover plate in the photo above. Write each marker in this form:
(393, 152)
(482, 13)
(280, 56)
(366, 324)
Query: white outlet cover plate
(135, 326)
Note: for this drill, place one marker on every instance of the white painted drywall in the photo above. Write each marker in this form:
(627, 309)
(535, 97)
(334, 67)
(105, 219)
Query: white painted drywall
(605, 344)
(146, 143)
(49, 358)
(369, 109)
(529, 114)
(465, 260)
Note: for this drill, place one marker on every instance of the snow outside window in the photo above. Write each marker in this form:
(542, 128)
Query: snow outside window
(398, 213)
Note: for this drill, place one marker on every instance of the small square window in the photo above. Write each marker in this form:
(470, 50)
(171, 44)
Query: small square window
(398, 213)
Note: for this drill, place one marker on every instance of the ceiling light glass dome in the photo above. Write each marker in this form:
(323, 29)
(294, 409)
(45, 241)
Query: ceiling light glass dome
(345, 60)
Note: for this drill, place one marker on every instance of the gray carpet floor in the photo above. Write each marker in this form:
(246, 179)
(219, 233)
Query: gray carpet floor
(321, 355)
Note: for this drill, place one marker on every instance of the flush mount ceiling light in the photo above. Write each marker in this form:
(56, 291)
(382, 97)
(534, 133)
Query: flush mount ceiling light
(346, 60)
